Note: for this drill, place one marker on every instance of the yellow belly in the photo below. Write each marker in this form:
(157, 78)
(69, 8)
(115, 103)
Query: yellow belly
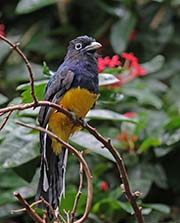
(79, 101)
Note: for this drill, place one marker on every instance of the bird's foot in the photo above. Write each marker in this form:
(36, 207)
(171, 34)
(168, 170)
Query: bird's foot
(83, 122)
(73, 117)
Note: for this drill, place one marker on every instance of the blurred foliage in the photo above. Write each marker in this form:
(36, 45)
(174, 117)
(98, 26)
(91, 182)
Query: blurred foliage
(149, 141)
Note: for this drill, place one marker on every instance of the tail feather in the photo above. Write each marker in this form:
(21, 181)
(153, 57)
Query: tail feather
(52, 177)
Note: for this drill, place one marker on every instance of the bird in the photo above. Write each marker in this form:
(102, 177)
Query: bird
(74, 86)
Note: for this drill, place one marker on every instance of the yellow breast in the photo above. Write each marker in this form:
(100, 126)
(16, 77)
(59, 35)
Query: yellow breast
(77, 100)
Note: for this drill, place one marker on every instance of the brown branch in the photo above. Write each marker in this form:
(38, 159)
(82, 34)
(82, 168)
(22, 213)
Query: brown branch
(24, 209)
(51, 209)
(5, 120)
(29, 210)
(78, 193)
(81, 160)
(31, 78)
(122, 171)
(158, 17)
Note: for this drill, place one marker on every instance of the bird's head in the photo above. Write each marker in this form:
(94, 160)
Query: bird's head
(83, 45)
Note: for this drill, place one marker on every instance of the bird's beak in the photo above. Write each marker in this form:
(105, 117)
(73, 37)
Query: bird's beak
(93, 46)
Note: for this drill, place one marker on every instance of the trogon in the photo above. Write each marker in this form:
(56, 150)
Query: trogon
(75, 87)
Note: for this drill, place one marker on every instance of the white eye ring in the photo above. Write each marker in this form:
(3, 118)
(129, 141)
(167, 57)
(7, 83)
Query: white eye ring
(78, 46)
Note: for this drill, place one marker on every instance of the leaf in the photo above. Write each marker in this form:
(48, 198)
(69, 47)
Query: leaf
(109, 96)
(5, 49)
(104, 114)
(28, 169)
(5, 210)
(39, 87)
(171, 138)
(105, 205)
(27, 6)
(9, 179)
(3, 99)
(160, 177)
(162, 151)
(143, 95)
(18, 72)
(67, 203)
(148, 143)
(154, 65)
(126, 206)
(89, 142)
(121, 30)
(174, 123)
(106, 79)
(141, 178)
(159, 207)
(21, 144)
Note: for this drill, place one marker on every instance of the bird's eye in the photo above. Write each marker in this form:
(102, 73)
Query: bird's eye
(78, 46)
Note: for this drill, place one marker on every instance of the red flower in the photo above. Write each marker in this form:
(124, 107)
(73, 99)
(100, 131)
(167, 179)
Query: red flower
(127, 140)
(132, 62)
(105, 62)
(130, 69)
(104, 186)
(130, 57)
(2, 28)
(130, 114)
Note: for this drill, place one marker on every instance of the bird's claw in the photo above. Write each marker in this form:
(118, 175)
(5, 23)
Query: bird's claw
(83, 122)
(73, 117)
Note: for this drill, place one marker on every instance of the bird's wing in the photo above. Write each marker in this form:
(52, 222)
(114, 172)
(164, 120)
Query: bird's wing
(61, 82)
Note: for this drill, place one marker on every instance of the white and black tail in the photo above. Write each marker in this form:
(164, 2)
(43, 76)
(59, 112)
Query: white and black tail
(52, 174)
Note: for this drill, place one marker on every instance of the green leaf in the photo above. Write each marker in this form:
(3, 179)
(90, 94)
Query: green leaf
(104, 114)
(109, 96)
(171, 138)
(67, 203)
(141, 177)
(27, 6)
(28, 169)
(106, 204)
(89, 142)
(155, 64)
(9, 179)
(5, 49)
(106, 79)
(21, 143)
(174, 123)
(3, 99)
(162, 151)
(143, 95)
(18, 72)
(159, 207)
(39, 87)
(5, 210)
(160, 177)
(148, 143)
(121, 30)
(126, 206)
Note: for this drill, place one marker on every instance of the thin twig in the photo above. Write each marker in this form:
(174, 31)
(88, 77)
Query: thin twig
(31, 78)
(122, 171)
(29, 210)
(67, 215)
(158, 17)
(5, 120)
(78, 193)
(80, 158)
(51, 209)
(24, 209)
